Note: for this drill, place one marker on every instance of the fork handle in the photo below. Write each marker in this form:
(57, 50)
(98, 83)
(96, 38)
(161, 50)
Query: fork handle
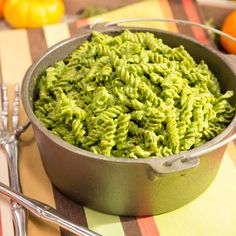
(18, 212)
(11, 148)
(19, 217)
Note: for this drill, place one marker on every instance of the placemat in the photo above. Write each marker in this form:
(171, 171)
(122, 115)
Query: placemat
(213, 213)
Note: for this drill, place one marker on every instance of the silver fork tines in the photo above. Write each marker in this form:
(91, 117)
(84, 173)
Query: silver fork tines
(5, 104)
(16, 104)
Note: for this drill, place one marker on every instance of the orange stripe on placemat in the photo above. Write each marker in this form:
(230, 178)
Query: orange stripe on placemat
(179, 13)
(191, 12)
(168, 14)
(148, 226)
(81, 23)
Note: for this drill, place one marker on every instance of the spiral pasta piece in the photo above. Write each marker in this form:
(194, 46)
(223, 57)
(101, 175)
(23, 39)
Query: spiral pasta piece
(122, 130)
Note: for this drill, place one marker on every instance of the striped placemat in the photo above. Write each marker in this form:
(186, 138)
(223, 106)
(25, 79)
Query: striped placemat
(213, 213)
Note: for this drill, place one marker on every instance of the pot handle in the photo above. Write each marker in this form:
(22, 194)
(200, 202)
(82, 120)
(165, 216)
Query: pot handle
(182, 162)
(177, 21)
(171, 166)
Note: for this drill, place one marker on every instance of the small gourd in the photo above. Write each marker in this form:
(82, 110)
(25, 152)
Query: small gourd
(32, 13)
(229, 27)
(1, 7)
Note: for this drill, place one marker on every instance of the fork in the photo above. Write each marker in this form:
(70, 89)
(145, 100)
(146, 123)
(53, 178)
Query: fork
(9, 141)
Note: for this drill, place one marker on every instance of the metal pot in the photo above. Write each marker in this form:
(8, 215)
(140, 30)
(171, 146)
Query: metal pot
(126, 186)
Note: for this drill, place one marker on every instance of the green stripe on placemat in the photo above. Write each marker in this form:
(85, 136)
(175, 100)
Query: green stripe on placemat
(104, 224)
(56, 33)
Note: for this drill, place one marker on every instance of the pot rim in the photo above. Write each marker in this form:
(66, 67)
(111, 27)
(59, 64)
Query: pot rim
(86, 33)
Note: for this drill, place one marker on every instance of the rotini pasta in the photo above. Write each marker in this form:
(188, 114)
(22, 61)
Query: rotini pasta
(132, 96)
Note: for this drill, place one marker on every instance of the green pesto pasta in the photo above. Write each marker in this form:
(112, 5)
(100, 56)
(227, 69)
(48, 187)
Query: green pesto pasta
(132, 96)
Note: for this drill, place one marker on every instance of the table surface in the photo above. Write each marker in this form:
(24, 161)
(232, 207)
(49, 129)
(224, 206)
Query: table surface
(213, 213)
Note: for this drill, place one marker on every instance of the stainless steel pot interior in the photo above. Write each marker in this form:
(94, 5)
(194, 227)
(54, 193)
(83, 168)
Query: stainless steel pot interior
(119, 185)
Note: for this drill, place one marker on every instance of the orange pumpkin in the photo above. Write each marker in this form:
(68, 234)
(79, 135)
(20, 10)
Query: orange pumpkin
(32, 13)
(229, 27)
